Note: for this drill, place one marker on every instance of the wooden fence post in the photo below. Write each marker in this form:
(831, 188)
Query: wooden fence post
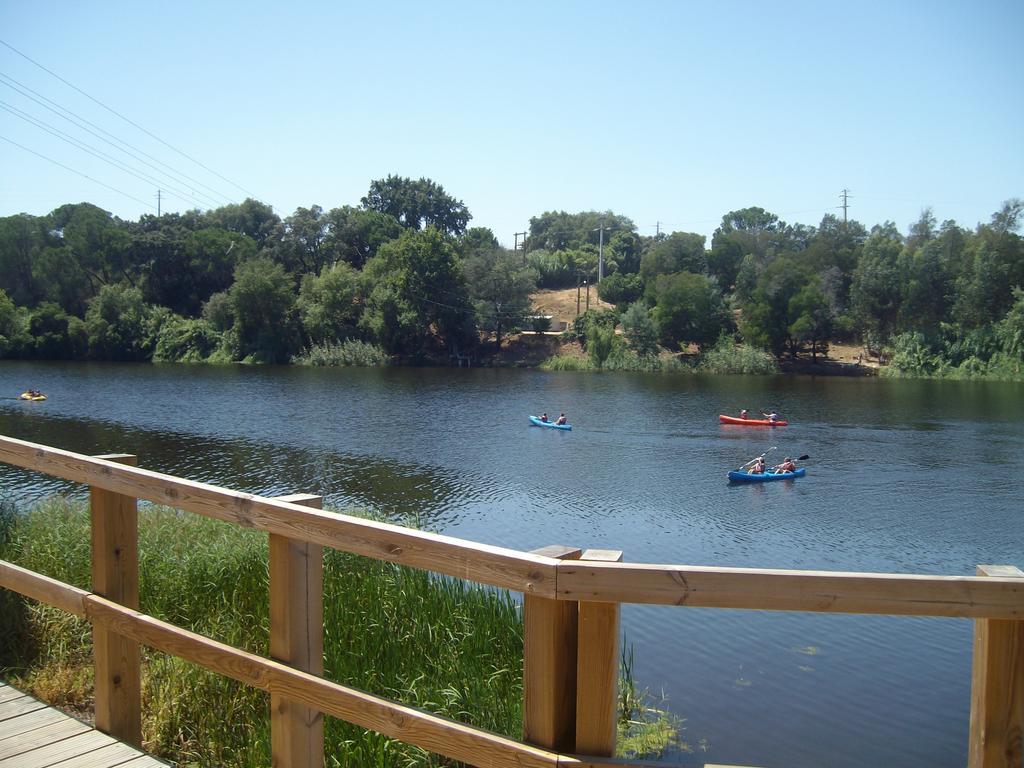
(597, 665)
(997, 687)
(549, 666)
(115, 576)
(297, 639)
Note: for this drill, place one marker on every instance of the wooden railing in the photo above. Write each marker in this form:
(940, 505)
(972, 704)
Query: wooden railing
(571, 603)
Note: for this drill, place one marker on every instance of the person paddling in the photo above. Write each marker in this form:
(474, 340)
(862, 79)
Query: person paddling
(560, 419)
(758, 468)
(788, 465)
(744, 414)
(772, 417)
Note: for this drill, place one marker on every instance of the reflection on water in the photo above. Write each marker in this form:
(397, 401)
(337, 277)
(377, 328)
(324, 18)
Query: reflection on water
(902, 477)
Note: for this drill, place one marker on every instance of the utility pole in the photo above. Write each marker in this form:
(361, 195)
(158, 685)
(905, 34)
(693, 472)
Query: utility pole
(588, 294)
(515, 247)
(600, 251)
(843, 196)
(158, 203)
(657, 229)
(577, 294)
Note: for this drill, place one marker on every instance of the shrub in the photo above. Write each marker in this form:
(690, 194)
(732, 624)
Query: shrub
(345, 353)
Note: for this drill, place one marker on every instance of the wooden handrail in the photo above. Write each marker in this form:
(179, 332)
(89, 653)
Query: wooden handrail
(484, 563)
(698, 586)
(431, 732)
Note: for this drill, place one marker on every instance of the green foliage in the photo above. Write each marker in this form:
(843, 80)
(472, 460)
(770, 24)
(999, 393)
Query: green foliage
(678, 252)
(499, 287)
(688, 308)
(620, 289)
(14, 336)
(346, 353)
(435, 643)
(56, 335)
(262, 307)
(417, 204)
(418, 287)
(120, 325)
(329, 304)
(567, 363)
(182, 340)
(640, 330)
(601, 340)
(551, 268)
(561, 231)
(354, 235)
(588, 323)
(726, 356)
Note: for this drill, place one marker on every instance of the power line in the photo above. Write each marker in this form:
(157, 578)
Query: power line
(78, 144)
(68, 168)
(77, 121)
(127, 120)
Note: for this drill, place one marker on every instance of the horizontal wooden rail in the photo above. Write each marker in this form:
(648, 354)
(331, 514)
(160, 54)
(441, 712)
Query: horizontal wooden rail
(497, 566)
(539, 575)
(431, 732)
(790, 590)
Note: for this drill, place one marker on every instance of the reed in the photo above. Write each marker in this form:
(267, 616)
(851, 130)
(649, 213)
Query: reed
(345, 353)
(436, 643)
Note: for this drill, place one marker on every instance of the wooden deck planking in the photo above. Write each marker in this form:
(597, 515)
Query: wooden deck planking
(33, 735)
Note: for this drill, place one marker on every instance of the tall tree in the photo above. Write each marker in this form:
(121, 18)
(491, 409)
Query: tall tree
(416, 287)
(499, 286)
(417, 204)
(355, 234)
(688, 309)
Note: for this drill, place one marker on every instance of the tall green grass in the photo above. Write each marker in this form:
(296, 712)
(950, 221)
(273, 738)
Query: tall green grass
(728, 357)
(345, 353)
(435, 643)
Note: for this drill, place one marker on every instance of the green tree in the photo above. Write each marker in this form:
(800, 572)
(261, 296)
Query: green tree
(251, 218)
(22, 237)
(417, 204)
(561, 231)
(418, 293)
(621, 289)
(329, 304)
(57, 335)
(875, 290)
(301, 239)
(688, 309)
(767, 316)
(639, 329)
(120, 325)
(262, 302)
(355, 234)
(14, 337)
(679, 252)
(499, 287)
(812, 317)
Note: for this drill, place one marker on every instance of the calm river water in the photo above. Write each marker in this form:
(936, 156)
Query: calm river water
(903, 477)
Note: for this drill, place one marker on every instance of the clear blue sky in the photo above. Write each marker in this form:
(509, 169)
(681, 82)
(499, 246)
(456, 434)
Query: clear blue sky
(671, 112)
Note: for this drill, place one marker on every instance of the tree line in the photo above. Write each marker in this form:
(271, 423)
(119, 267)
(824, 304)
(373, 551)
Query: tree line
(403, 274)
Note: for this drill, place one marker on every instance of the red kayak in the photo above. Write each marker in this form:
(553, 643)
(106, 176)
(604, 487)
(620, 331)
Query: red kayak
(750, 422)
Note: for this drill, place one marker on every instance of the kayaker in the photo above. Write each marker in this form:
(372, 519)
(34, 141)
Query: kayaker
(743, 414)
(758, 468)
(544, 416)
(788, 465)
(560, 419)
(773, 416)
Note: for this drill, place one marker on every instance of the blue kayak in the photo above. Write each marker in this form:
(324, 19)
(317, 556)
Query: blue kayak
(538, 423)
(745, 477)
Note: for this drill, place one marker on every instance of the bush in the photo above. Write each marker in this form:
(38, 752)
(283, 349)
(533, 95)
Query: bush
(726, 356)
(345, 353)
(186, 341)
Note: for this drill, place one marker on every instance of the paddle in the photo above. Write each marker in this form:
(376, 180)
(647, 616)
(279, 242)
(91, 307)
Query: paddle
(774, 447)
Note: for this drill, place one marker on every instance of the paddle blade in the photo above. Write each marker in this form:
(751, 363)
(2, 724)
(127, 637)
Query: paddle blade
(805, 457)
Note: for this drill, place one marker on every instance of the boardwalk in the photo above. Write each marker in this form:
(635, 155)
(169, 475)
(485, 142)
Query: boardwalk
(34, 735)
